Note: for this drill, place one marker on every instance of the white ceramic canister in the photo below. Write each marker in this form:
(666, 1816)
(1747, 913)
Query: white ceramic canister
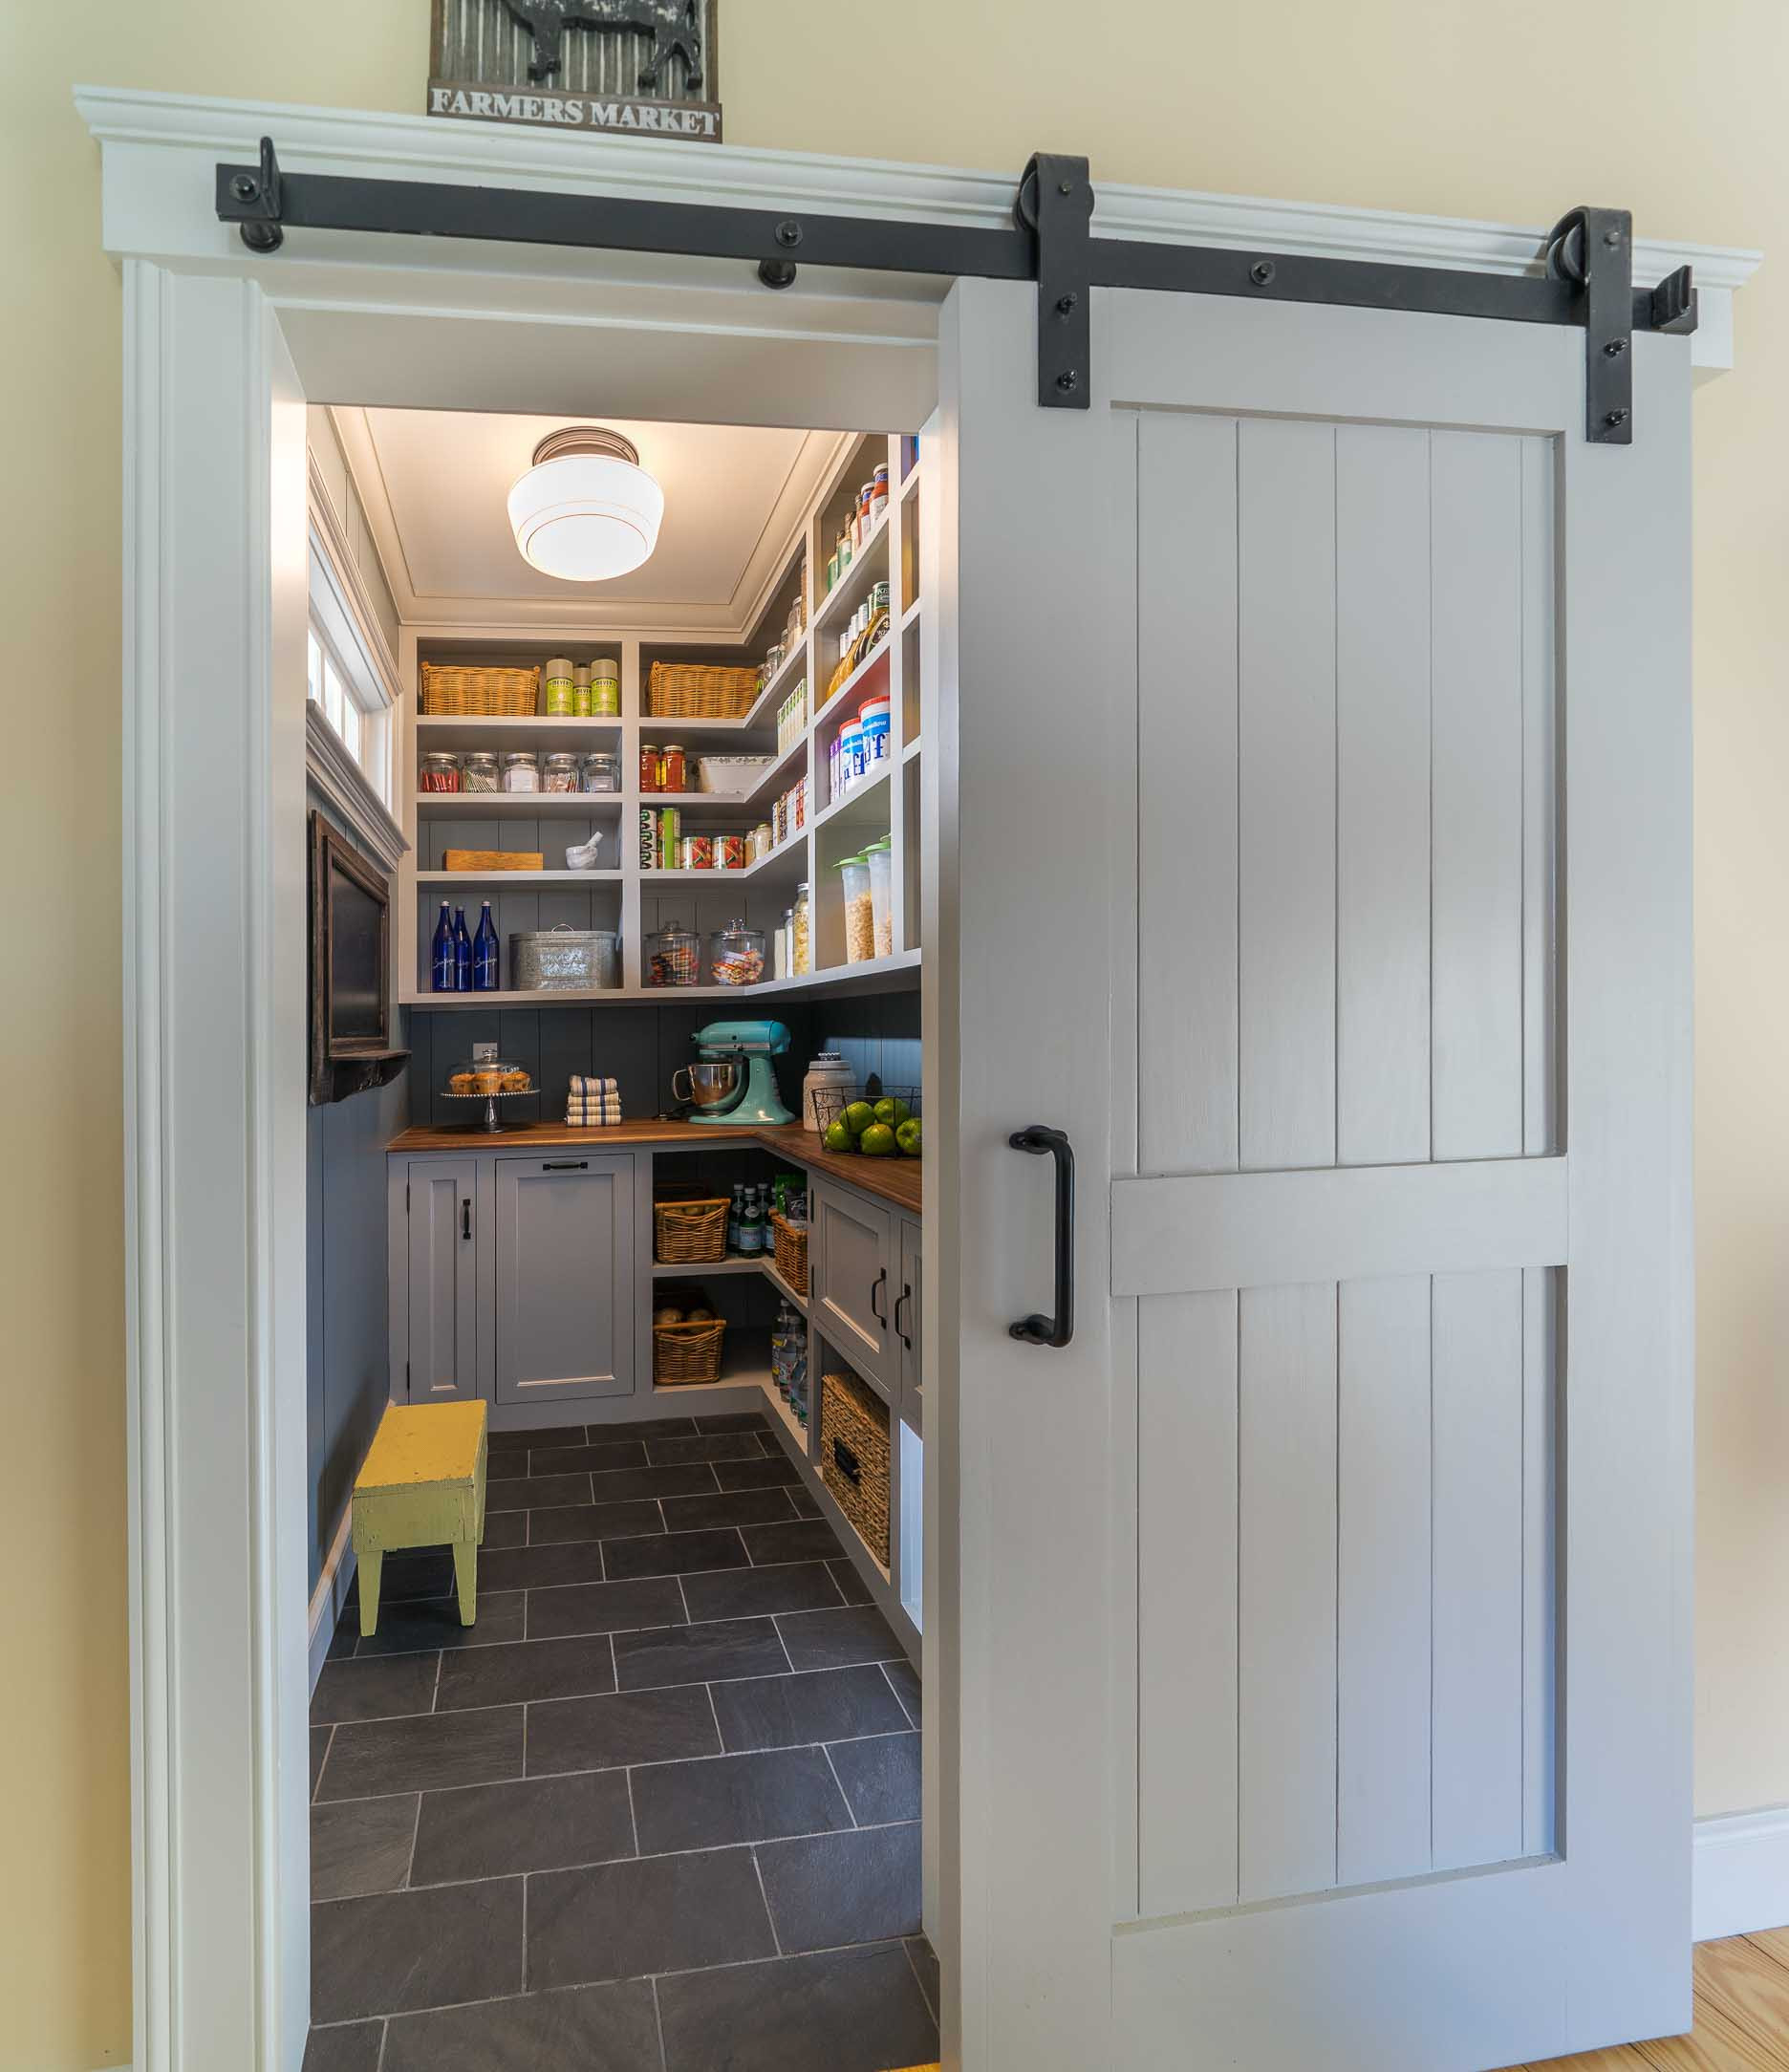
(830, 1072)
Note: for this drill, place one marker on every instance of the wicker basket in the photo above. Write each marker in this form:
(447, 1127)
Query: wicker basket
(855, 1457)
(791, 1253)
(700, 691)
(452, 691)
(687, 1352)
(689, 1233)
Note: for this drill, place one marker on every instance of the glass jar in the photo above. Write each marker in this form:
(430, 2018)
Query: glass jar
(860, 911)
(479, 772)
(521, 770)
(762, 840)
(672, 771)
(736, 954)
(601, 774)
(649, 768)
(800, 936)
(880, 857)
(561, 773)
(440, 772)
(673, 958)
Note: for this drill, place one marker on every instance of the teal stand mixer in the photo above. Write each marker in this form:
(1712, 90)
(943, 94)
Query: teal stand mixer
(734, 1083)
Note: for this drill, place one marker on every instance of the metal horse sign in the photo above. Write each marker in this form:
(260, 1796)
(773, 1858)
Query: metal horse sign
(671, 24)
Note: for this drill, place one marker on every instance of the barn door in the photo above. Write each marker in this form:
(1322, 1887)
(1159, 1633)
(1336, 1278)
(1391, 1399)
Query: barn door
(1323, 853)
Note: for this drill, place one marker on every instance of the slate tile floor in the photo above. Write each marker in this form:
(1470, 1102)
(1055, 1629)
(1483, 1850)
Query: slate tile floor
(657, 1811)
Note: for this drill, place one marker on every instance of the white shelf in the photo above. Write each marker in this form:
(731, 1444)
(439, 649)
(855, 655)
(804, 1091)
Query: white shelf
(794, 665)
(909, 487)
(869, 566)
(707, 1269)
(782, 1287)
(865, 805)
(911, 752)
(877, 659)
(559, 879)
(790, 1423)
(909, 617)
(896, 974)
(535, 732)
(516, 805)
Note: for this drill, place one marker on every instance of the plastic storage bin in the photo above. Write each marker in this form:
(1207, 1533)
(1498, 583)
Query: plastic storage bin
(859, 909)
(880, 857)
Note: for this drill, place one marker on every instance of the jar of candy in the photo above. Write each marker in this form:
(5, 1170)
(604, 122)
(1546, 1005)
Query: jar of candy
(736, 954)
(673, 958)
(440, 772)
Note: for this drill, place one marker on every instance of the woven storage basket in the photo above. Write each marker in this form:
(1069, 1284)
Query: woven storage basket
(686, 1352)
(791, 1253)
(689, 1233)
(700, 691)
(855, 1457)
(452, 691)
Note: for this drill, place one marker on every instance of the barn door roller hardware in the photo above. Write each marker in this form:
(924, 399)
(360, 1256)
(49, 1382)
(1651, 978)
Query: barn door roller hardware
(1589, 279)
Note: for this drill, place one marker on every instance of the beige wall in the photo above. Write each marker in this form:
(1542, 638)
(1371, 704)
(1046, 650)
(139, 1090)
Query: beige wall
(1671, 107)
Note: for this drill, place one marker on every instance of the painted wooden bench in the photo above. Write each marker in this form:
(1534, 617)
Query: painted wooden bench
(421, 1484)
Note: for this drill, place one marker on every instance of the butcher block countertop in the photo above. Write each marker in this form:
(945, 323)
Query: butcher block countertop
(897, 1181)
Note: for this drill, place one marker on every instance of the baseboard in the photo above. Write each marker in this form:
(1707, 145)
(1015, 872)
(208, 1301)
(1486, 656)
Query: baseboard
(330, 1594)
(1742, 1876)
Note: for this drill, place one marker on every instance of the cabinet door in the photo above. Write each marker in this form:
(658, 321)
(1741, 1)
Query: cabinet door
(853, 1302)
(907, 1315)
(443, 1280)
(565, 1278)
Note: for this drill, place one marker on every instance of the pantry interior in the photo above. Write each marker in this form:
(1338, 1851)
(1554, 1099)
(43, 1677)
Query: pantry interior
(681, 814)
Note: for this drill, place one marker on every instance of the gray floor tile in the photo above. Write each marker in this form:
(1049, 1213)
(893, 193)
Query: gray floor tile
(734, 1507)
(508, 1442)
(734, 1420)
(880, 1776)
(834, 1639)
(904, 1680)
(924, 1961)
(803, 1503)
(527, 1669)
(689, 1480)
(673, 1554)
(715, 1446)
(603, 1457)
(771, 1445)
(682, 1654)
(824, 1705)
(847, 2011)
(542, 1568)
(362, 1846)
(586, 2029)
(801, 1539)
(747, 1593)
(853, 1587)
(704, 1805)
(404, 1628)
(604, 1607)
(352, 2048)
(637, 1726)
(761, 1473)
(530, 1493)
(373, 1759)
(386, 1688)
(503, 1528)
(642, 1428)
(595, 1522)
(854, 1888)
(538, 1824)
(402, 1951)
(661, 1914)
(347, 1632)
(319, 1748)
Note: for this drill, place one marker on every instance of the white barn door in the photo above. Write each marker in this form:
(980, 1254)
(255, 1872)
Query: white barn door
(1325, 1671)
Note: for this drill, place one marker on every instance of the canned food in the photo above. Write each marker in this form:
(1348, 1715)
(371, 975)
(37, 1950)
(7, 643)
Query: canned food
(648, 839)
(698, 852)
(670, 833)
(729, 851)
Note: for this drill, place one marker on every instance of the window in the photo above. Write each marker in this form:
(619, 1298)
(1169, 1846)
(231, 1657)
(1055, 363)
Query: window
(341, 680)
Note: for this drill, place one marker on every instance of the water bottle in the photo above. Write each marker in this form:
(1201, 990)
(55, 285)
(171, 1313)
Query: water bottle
(446, 971)
(485, 954)
(462, 953)
(752, 1224)
(736, 1219)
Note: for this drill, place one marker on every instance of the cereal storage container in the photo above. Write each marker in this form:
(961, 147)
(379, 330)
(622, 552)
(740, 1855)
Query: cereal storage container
(880, 857)
(860, 910)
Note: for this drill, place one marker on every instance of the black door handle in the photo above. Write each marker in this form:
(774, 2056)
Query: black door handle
(905, 1296)
(875, 1288)
(1059, 1330)
(466, 1217)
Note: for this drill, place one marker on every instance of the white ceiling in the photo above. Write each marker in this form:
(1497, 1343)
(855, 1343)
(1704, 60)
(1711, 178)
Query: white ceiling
(434, 484)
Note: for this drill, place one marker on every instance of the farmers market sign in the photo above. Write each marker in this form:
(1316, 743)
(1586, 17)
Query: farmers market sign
(634, 67)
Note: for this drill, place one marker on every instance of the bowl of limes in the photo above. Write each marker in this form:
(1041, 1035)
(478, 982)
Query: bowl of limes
(878, 1125)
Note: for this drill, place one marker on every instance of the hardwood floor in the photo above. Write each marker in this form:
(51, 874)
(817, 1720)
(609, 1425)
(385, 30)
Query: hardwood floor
(1741, 2017)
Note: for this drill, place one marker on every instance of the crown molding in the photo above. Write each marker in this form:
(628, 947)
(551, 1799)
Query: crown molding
(415, 147)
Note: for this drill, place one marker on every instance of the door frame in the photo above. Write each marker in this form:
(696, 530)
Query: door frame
(219, 349)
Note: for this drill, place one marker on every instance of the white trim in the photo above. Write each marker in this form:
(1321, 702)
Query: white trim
(416, 147)
(1741, 1881)
(345, 785)
(330, 1594)
(344, 570)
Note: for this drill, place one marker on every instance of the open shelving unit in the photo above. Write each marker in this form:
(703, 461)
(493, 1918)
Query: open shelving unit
(636, 901)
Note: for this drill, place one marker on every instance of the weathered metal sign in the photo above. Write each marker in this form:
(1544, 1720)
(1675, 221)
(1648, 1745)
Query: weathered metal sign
(645, 68)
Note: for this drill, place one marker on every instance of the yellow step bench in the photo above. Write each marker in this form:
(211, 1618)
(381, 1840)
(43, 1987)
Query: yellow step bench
(421, 1484)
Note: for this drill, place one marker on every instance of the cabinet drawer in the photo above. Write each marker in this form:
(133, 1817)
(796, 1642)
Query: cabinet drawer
(851, 1266)
(566, 1297)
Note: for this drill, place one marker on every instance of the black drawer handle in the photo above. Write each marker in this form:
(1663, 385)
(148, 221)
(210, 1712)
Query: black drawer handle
(846, 1462)
(901, 1332)
(1059, 1330)
(876, 1309)
(565, 1165)
(466, 1217)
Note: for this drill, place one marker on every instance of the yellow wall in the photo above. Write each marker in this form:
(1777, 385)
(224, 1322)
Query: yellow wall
(1671, 107)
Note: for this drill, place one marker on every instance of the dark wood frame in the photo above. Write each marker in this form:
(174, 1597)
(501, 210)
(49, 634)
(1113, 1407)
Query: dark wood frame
(341, 1065)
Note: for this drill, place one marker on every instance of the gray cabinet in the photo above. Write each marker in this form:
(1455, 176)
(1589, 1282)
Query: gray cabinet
(566, 1298)
(853, 1243)
(440, 1290)
(907, 1314)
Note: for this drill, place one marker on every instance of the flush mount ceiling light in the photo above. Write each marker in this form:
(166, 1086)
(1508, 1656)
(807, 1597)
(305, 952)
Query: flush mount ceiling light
(586, 511)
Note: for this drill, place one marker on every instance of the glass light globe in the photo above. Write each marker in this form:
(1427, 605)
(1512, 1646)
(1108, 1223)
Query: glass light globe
(586, 511)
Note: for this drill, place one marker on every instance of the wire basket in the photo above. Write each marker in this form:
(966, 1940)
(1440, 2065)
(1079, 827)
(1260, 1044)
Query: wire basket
(829, 1103)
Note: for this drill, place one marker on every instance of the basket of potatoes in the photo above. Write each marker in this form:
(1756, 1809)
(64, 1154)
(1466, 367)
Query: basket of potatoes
(688, 1338)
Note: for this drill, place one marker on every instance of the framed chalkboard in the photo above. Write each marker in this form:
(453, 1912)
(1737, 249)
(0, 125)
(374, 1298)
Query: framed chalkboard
(351, 1016)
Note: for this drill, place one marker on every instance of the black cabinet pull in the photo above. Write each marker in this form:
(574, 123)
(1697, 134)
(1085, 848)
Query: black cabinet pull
(905, 1296)
(1059, 1330)
(466, 1217)
(846, 1462)
(565, 1165)
(875, 1288)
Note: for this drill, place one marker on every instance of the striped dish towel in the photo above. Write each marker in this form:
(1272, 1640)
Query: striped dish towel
(594, 1104)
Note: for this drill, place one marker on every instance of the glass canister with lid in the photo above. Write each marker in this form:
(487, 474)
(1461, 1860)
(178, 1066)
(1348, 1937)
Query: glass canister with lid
(439, 772)
(521, 770)
(673, 958)
(736, 954)
(801, 935)
(560, 772)
(601, 772)
(479, 772)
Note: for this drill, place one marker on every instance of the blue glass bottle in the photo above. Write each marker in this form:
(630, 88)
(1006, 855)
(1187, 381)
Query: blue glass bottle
(485, 954)
(445, 974)
(462, 953)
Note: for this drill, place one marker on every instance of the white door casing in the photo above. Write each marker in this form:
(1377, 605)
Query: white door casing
(1368, 1467)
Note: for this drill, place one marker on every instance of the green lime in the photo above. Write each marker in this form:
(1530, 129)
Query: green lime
(877, 1141)
(838, 1136)
(893, 1111)
(858, 1117)
(907, 1138)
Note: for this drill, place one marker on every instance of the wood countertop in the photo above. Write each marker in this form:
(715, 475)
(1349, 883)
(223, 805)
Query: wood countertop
(896, 1180)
